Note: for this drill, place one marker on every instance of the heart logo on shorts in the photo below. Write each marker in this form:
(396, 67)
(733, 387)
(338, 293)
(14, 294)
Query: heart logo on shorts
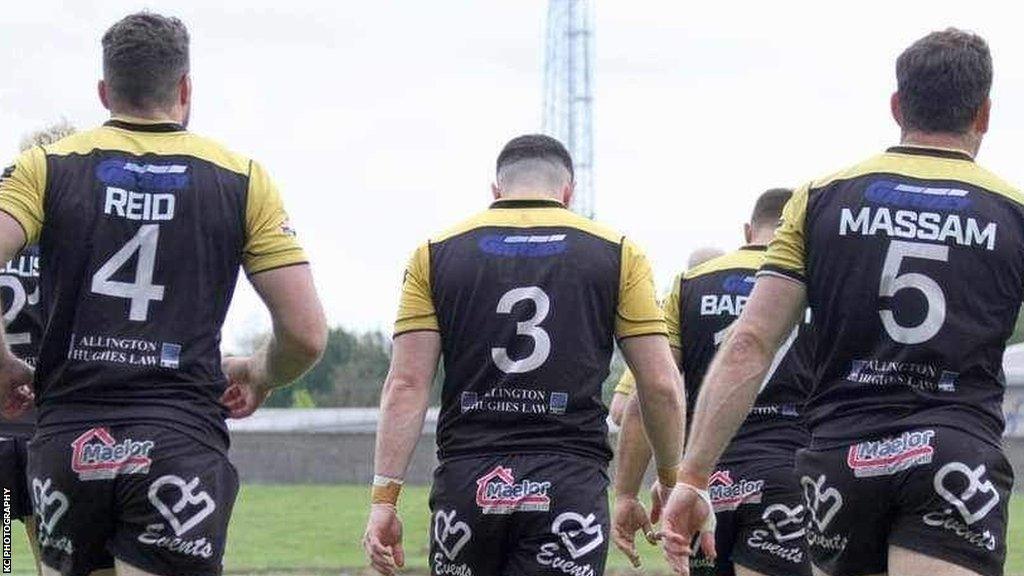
(579, 535)
(446, 528)
(785, 523)
(42, 498)
(188, 495)
(975, 485)
(823, 504)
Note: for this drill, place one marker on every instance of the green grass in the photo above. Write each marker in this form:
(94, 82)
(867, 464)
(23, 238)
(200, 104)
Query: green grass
(317, 530)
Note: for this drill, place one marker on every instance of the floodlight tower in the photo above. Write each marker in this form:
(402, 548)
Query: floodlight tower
(568, 90)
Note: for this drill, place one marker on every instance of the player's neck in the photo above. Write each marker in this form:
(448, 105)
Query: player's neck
(966, 143)
(147, 116)
(762, 239)
(528, 194)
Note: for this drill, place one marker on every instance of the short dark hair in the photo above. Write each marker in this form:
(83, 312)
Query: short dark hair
(534, 147)
(769, 205)
(943, 80)
(144, 57)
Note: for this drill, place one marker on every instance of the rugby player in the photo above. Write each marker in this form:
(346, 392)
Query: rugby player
(757, 500)
(913, 265)
(524, 302)
(627, 383)
(23, 317)
(142, 228)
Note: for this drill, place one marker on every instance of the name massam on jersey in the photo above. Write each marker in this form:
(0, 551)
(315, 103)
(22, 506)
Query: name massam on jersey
(903, 223)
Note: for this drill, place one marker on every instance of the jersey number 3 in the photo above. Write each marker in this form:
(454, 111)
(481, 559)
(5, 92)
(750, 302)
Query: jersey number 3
(142, 290)
(530, 328)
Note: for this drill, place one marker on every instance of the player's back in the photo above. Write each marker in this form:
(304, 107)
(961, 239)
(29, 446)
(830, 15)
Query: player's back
(913, 262)
(142, 229)
(704, 303)
(528, 299)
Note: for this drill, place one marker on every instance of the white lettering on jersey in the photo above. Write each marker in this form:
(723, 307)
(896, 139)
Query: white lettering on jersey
(965, 231)
(141, 206)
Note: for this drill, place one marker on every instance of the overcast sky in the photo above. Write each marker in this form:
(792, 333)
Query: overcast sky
(380, 120)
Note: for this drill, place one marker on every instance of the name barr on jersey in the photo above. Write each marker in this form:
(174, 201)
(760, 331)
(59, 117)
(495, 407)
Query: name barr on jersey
(907, 211)
(141, 192)
(736, 290)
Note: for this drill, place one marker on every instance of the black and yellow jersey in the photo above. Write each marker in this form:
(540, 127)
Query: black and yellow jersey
(142, 228)
(626, 384)
(704, 302)
(23, 319)
(528, 298)
(914, 267)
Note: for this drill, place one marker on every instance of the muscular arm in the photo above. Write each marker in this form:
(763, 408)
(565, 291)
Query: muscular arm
(12, 239)
(404, 401)
(734, 379)
(634, 451)
(659, 392)
(300, 330)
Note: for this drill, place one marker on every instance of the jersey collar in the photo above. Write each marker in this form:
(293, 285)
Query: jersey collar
(527, 203)
(930, 151)
(140, 125)
(755, 247)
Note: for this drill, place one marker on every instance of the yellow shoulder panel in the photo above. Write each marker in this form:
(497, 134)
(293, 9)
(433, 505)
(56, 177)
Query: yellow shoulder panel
(138, 143)
(926, 168)
(530, 218)
(737, 259)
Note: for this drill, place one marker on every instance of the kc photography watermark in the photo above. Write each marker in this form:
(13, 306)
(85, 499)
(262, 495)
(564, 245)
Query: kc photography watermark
(7, 560)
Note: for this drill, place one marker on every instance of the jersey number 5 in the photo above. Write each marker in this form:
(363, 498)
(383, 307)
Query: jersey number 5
(142, 290)
(530, 328)
(892, 282)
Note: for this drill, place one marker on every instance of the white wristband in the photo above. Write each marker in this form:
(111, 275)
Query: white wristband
(710, 522)
(379, 480)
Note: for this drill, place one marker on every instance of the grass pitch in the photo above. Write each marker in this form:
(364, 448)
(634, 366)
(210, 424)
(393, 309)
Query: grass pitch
(313, 530)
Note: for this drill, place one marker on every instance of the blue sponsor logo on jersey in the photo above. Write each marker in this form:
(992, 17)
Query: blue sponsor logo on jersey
(170, 355)
(135, 175)
(741, 284)
(904, 195)
(558, 402)
(523, 245)
(469, 401)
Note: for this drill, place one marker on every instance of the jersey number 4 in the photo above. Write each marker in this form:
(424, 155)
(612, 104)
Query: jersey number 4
(142, 291)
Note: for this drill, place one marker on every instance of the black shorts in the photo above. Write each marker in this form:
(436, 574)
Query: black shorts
(143, 494)
(760, 513)
(528, 514)
(935, 491)
(13, 460)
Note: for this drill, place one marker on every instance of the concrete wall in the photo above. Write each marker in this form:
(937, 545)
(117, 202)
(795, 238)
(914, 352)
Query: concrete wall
(347, 458)
(318, 458)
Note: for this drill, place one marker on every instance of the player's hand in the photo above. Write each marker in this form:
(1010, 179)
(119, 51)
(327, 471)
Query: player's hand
(15, 387)
(383, 539)
(245, 392)
(685, 514)
(628, 517)
(659, 495)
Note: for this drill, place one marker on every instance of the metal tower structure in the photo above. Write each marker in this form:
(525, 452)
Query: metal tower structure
(568, 90)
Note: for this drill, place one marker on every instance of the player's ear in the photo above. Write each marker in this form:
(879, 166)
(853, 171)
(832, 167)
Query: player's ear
(981, 118)
(101, 89)
(748, 233)
(894, 107)
(567, 192)
(185, 90)
(495, 191)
